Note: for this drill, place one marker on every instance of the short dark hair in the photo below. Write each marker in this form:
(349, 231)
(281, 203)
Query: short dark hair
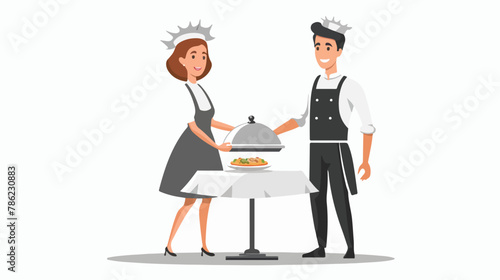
(338, 37)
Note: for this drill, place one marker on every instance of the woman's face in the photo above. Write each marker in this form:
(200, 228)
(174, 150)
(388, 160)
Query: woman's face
(195, 60)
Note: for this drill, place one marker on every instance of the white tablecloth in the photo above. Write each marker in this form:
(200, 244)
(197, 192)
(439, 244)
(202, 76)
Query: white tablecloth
(254, 184)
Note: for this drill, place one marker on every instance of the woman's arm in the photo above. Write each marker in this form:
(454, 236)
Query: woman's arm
(221, 125)
(225, 147)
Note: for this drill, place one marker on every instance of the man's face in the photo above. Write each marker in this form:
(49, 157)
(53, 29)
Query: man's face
(326, 52)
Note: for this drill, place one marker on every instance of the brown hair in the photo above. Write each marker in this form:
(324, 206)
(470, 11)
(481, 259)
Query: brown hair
(175, 67)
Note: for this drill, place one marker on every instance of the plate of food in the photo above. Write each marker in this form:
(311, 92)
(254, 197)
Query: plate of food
(255, 163)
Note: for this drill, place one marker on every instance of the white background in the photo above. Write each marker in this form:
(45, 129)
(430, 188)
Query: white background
(440, 222)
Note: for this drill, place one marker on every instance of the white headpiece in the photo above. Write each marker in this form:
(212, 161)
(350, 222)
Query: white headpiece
(335, 26)
(190, 32)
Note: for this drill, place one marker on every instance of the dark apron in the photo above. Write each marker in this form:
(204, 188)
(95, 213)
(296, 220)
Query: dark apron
(330, 159)
(326, 124)
(191, 154)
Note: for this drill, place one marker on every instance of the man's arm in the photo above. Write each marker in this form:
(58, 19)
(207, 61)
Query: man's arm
(357, 98)
(293, 123)
(367, 146)
(287, 126)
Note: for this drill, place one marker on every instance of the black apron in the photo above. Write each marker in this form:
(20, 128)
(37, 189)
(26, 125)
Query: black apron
(326, 124)
(330, 159)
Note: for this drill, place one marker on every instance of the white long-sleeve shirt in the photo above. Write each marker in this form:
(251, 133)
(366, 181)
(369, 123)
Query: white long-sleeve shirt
(351, 96)
(200, 96)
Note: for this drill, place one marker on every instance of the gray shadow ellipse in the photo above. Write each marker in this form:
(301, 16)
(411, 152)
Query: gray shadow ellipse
(220, 259)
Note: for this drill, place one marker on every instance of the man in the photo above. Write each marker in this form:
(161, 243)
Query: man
(332, 100)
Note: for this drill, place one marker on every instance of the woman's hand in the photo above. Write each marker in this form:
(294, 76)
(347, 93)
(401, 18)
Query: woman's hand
(225, 147)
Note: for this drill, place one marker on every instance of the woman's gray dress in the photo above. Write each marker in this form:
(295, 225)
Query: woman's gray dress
(191, 154)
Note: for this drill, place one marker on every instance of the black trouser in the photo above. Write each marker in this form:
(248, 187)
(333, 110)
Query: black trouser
(326, 157)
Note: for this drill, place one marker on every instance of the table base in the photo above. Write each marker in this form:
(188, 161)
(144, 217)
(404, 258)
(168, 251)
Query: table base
(252, 253)
(252, 257)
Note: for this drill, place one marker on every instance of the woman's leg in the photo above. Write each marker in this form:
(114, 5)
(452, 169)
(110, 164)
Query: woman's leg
(205, 205)
(188, 203)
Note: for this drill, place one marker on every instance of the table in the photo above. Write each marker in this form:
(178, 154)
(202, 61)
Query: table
(251, 185)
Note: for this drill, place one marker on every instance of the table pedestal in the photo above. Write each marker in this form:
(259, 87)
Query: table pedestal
(252, 253)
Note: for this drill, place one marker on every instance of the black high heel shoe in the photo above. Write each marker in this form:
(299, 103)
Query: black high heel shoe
(206, 252)
(170, 253)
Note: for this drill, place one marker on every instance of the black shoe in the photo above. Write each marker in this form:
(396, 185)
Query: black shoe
(206, 252)
(170, 253)
(349, 254)
(316, 253)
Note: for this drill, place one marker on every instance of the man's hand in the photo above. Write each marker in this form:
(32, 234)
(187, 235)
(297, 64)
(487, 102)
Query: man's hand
(367, 146)
(366, 167)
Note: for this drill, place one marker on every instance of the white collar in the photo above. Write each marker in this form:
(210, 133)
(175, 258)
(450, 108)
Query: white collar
(332, 76)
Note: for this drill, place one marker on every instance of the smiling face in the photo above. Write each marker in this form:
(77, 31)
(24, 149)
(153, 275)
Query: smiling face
(326, 52)
(190, 60)
(195, 60)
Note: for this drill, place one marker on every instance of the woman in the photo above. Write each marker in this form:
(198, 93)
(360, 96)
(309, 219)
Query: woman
(190, 62)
